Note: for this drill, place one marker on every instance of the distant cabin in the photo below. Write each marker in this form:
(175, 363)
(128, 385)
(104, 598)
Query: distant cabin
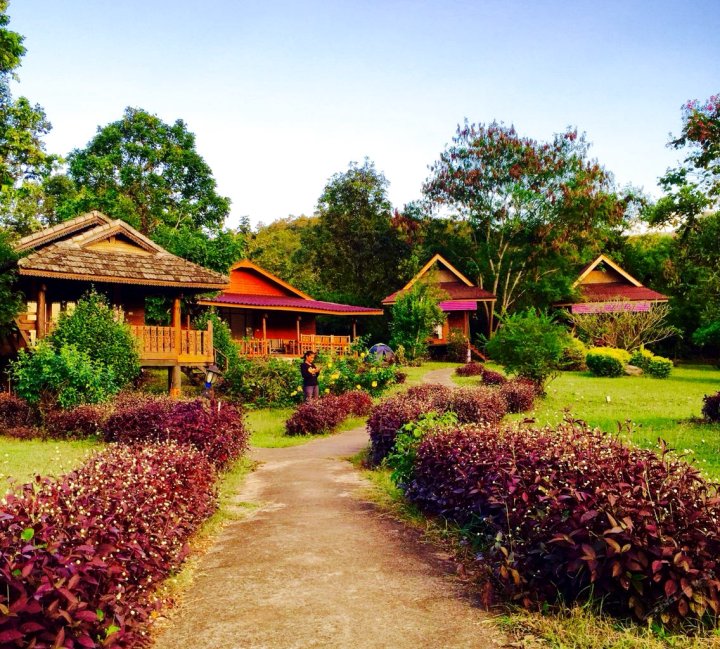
(603, 286)
(461, 303)
(268, 316)
(63, 262)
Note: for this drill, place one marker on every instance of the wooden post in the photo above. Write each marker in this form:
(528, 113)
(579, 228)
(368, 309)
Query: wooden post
(264, 325)
(490, 319)
(174, 381)
(41, 322)
(354, 334)
(210, 345)
(297, 326)
(176, 324)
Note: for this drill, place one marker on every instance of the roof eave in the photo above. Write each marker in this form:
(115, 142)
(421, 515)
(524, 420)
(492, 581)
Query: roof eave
(30, 272)
(257, 307)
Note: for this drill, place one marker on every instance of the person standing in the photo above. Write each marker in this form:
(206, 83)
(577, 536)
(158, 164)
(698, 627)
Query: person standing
(310, 376)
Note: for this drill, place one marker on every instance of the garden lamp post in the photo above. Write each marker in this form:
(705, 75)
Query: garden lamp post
(211, 374)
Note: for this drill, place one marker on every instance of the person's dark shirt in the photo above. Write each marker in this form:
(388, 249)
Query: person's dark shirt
(308, 378)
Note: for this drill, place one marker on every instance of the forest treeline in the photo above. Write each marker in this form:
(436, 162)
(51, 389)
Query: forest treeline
(517, 215)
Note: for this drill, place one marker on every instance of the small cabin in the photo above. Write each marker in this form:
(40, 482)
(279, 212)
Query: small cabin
(63, 262)
(268, 316)
(603, 286)
(461, 302)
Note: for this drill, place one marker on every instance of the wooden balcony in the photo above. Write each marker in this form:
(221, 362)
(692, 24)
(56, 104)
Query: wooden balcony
(171, 346)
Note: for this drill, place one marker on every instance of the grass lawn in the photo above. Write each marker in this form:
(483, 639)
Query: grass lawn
(666, 408)
(20, 460)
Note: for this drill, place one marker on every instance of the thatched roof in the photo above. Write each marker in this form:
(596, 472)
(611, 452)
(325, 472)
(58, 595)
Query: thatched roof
(94, 248)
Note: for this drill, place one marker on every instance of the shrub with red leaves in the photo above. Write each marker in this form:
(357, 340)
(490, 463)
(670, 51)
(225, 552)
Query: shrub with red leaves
(519, 394)
(477, 405)
(472, 368)
(82, 554)
(319, 415)
(390, 415)
(24, 432)
(570, 511)
(138, 419)
(217, 429)
(14, 411)
(356, 402)
(711, 407)
(80, 423)
(490, 377)
(400, 377)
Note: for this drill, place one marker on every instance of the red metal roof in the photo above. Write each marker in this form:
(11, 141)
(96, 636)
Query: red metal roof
(458, 305)
(618, 291)
(290, 303)
(455, 291)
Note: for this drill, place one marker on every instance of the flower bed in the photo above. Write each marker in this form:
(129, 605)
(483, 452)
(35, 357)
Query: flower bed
(470, 369)
(82, 554)
(571, 512)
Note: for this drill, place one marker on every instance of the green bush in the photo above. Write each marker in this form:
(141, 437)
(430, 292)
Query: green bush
(340, 375)
(414, 316)
(573, 356)
(222, 337)
(457, 346)
(657, 366)
(94, 328)
(264, 382)
(65, 376)
(607, 361)
(530, 345)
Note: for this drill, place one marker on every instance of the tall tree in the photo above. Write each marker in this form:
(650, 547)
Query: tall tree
(147, 173)
(693, 188)
(24, 163)
(278, 247)
(536, 210)
(354, 249)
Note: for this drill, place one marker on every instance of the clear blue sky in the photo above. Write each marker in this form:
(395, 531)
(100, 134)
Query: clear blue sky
(281, 95)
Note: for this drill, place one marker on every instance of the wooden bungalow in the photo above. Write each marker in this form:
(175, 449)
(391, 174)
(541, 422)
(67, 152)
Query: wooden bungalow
(463, 298)
(62, 262)
(603, 286)
(269, 316)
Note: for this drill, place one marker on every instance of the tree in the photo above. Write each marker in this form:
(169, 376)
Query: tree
(278, 247)
(10, 299)
(624, 329)
(147, 173)
(415, 315)
(529, 344)
(692, 189)
(24, 164)
(537, 211)
(354, 249)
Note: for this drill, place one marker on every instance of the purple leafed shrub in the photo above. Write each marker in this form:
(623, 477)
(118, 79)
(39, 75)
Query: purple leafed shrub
(489, 377)
(470, 369)
(80, 423)
(215, 429)
(400, 377)
(519, 394)
(139, 419)
(24, 432)
(356, 402)
(320, 415)
(570, 511)
(14, 411)
(83, 554)
(477, 405)
(433, 391)
(711, 407)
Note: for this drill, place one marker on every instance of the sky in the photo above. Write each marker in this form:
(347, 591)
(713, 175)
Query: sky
(282, 95)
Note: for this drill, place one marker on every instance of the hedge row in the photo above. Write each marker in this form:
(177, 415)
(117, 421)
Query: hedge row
(470, 405)
(323, 415)
(82, 554)
(571, 512)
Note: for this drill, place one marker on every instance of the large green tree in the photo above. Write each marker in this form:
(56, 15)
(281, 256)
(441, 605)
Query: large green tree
(693, 188)
(24, 163)
(353, 249)
(147, 173)
(278, 247)
(536, 210)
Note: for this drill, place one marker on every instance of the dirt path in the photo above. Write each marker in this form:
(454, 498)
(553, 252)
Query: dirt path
(440, 376)
(316, 566)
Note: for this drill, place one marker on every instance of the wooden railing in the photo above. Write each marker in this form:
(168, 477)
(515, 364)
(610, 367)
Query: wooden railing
(339, 345)
(171, 346)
